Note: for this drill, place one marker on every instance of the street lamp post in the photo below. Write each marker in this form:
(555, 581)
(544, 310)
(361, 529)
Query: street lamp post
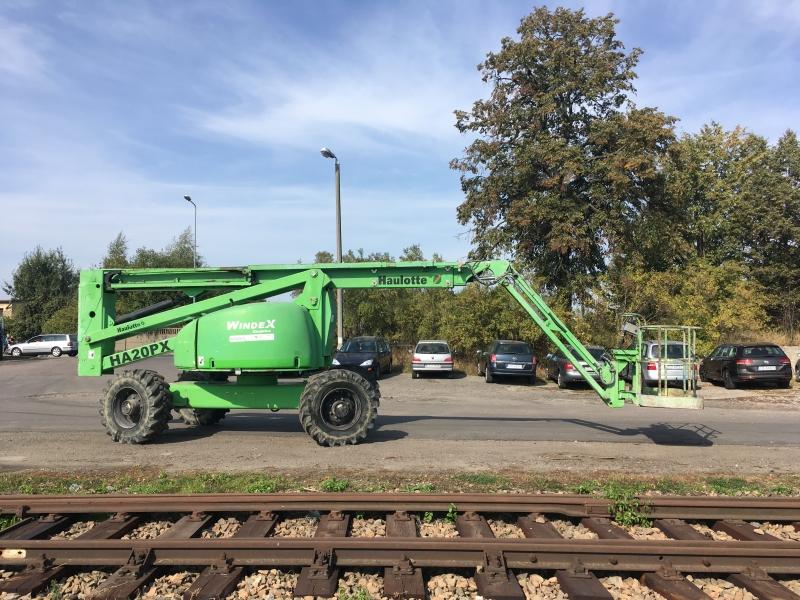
(327, 153)
(194, 255)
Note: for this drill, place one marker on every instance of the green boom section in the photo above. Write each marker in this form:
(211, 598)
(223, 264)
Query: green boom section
(234, 330)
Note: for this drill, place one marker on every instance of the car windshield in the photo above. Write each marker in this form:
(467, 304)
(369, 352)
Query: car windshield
(673, 350)
(513, 348)
(432, 348)
(359, 346)
(762, 351)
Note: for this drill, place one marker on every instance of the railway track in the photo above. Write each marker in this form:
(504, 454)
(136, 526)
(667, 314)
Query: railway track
(398, 546)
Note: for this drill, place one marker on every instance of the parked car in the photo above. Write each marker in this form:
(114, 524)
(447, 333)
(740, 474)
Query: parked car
(369, 355)
(674, 370)
(732, 364)
(431, 356)
(51, 343)
(507, 358)
(563, 372)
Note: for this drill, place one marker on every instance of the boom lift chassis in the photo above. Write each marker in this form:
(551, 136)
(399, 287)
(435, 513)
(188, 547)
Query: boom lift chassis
(235, 333)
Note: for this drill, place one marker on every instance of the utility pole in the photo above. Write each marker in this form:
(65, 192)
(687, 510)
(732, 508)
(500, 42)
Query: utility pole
(327, 153)
(194, 255)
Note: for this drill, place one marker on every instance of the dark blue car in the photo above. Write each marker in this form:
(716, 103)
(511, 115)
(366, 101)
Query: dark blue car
(507, 358)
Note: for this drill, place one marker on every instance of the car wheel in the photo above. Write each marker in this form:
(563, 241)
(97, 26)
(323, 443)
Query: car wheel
(488, 375)
(56, 351)
(414, 375)
(532, 379)
(562, 382)
(703, 377)
(377, 372)
(16, 352)
(785, 384)
(727, 379)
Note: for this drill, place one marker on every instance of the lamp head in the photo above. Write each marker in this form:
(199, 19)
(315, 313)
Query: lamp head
(327, 153)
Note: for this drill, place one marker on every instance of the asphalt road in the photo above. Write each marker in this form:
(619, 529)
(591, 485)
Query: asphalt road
(45, 395)
(426, 428)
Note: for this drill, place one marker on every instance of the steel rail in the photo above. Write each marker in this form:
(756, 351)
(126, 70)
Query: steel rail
(658, 507)
(526, 554)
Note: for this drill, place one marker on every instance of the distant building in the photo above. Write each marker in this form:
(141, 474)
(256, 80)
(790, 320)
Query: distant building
(5, 307)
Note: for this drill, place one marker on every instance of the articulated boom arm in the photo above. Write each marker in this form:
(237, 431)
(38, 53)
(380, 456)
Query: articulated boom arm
(100, 327)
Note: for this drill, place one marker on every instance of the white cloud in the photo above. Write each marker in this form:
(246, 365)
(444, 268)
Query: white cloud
(382, 88)
(21, 52)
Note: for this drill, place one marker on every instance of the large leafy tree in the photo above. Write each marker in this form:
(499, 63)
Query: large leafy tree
(44, 283)
(769, 216)
(564, 164)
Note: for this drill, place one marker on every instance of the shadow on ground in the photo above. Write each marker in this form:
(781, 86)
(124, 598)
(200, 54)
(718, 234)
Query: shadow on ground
(387, 430)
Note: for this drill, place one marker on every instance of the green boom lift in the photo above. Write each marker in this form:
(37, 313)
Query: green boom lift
(232, 344)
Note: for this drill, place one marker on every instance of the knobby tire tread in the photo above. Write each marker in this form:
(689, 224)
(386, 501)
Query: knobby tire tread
(369, 396)
(201, 417)
(158, 404)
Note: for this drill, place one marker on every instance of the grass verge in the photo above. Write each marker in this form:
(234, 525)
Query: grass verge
(615, 487)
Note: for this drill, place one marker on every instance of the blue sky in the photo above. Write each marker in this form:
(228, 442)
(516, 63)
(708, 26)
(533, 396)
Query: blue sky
(111, 111)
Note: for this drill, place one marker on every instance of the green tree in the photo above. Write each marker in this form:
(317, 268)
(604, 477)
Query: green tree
(44, 283)
(770, 214)
(705, 177)
(117, 253)
(65, 319)
(178, 253)
(722, 299)
(564, 164)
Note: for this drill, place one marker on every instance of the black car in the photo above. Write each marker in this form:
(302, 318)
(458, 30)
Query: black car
(507, 358)
(369, 355)
(732, 364)
(563, 372)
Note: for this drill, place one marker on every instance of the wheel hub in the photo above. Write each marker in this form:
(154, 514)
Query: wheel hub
(128, 410)
(339, 409)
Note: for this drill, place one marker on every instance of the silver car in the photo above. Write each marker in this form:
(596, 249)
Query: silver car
(51, 343)
(431, 356)
(676, 366)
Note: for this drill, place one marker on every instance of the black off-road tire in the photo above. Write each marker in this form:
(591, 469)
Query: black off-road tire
(56, 351)
(338, 407)
(136, 407)
(561, 381)
(202, 417)
(728, 381)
